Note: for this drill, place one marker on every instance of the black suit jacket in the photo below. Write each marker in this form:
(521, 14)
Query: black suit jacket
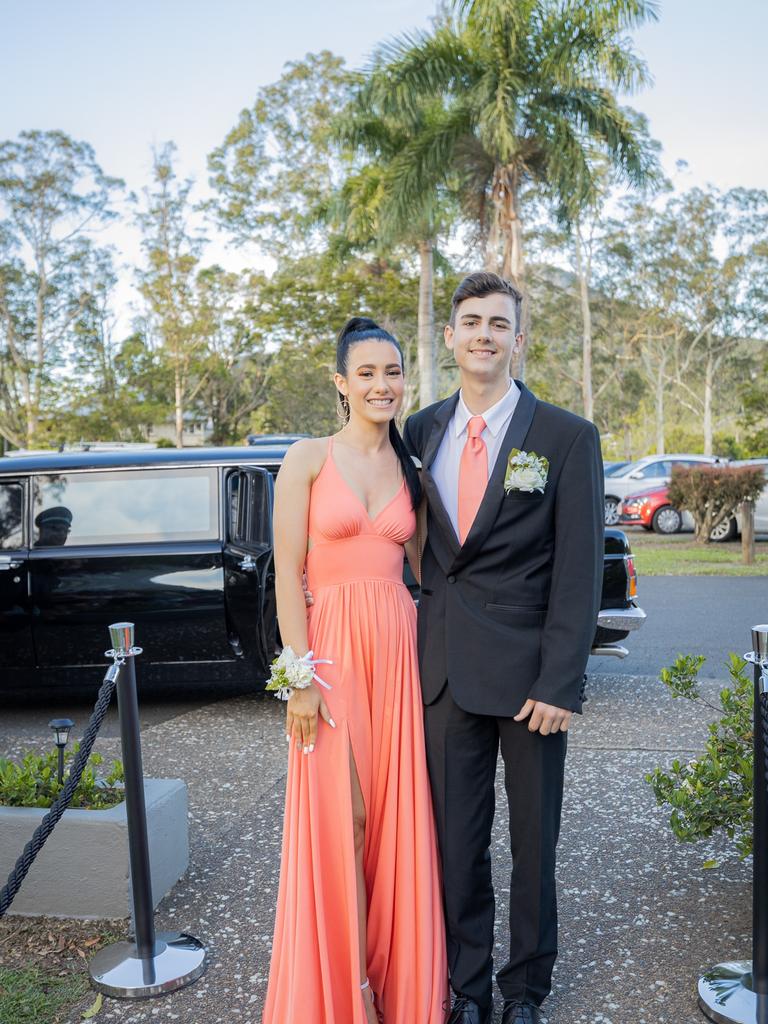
(511, 613)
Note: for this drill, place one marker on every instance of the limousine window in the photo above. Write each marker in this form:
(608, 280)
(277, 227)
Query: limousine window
(250, 508)
(125, 507)
(11, 503)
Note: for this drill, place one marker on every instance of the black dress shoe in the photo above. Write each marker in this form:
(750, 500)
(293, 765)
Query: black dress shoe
(517, 1011)
(467, 1011)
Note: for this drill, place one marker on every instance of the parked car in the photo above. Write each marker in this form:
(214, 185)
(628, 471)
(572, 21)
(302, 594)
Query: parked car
(273, 439)
(761, 505)
(645, 474)
(652, 510)
(613, 468)
(179, 542)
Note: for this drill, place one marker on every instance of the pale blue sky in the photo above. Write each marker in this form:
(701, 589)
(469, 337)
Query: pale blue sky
(127, 75)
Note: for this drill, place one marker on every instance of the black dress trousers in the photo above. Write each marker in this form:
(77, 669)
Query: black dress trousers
(462, 752)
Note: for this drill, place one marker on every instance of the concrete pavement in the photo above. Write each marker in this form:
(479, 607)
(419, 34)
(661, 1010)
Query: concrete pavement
(640, 917)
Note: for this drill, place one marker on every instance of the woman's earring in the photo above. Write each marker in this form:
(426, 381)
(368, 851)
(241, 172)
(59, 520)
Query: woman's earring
(342, 407)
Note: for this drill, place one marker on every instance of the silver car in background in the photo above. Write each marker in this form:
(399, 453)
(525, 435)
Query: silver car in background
(645, 474)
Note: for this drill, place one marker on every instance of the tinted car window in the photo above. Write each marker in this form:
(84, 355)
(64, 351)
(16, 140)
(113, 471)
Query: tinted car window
(11, 503)
(125, 507)
(656, 469)
(250, 519)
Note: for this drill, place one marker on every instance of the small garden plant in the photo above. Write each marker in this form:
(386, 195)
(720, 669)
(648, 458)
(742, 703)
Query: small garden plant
(33, 782)
(713, 792)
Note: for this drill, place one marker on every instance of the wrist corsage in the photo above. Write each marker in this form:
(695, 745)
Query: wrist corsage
(290, 672)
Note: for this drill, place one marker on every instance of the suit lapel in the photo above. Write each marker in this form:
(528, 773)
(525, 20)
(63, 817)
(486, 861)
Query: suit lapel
(494, 493)
(439, 426)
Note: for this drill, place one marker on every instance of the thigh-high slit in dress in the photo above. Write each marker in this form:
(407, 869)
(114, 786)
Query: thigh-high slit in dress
(364, 620)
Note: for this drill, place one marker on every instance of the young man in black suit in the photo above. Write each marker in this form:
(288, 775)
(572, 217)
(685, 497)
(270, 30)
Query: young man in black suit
(511, 579)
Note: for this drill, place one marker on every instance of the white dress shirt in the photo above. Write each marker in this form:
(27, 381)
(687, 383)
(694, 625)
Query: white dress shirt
(445, 467)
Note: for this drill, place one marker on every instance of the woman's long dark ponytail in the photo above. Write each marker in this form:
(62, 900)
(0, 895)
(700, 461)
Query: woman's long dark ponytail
(362, 328)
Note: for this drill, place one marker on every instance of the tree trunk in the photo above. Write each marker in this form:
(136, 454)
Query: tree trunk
(748, 532)
(427, 350)
(509, 228)
(33, 409)
(660, 377)
(709, 375)
(179, 405)
(582, 273)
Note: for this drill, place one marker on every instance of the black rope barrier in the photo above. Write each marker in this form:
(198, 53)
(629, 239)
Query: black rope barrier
(63, 800)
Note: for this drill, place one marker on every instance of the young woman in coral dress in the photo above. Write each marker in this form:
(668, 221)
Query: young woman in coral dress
(359, 934)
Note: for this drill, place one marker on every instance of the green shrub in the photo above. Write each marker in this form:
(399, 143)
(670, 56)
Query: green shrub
(33, 782)
(713, 792)
(712, 494)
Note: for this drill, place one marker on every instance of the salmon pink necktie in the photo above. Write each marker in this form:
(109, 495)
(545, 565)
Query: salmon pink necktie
(473, 475)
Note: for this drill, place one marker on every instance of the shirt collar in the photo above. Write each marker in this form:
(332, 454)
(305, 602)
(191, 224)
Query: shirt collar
(495, 417)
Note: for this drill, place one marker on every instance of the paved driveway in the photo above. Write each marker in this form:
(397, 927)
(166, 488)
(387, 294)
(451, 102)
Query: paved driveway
(640, 917)
(708, 615)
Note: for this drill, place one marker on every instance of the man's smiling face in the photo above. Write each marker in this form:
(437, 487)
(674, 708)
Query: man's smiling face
(483, 338)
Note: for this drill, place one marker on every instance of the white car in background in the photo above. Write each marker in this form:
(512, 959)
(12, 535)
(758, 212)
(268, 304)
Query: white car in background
(645, 474)
(761, 505)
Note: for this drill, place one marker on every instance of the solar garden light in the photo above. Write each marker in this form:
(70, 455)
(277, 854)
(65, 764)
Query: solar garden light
(61, 727)
(736, 992)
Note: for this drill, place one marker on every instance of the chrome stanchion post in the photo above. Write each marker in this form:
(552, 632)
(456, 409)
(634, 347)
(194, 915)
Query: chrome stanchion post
(153, 964)
(737, 992)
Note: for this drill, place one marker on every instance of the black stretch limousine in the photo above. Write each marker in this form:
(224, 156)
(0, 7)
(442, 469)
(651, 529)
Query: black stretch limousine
(179, 542)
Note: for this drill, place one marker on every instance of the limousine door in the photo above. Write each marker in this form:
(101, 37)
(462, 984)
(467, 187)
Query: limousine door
(142, 545)
(249, 576)
(15, 623)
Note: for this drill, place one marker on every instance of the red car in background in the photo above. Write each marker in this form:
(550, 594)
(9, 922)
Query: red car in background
(652, 510)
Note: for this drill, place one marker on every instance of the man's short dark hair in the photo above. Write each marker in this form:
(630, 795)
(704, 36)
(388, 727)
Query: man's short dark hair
(480, 284)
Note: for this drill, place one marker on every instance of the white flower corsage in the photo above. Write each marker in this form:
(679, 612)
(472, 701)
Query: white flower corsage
(289, 672)
(526, 471)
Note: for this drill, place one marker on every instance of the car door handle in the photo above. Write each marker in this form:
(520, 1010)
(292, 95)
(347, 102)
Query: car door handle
(247, 564)
(9, 564)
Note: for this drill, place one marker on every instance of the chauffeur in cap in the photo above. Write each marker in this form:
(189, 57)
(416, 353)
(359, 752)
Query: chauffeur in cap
(53, 526)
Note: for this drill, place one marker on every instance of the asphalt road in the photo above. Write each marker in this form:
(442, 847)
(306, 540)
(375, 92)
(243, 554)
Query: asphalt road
(709, 615)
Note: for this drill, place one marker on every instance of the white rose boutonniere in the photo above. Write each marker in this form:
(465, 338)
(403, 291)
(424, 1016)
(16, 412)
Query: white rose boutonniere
(526, 471)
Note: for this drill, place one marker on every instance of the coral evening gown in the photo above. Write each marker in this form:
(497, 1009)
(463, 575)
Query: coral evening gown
(363, 619)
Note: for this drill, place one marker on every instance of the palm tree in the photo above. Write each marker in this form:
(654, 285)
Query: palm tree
(370, 209)
(525, 90)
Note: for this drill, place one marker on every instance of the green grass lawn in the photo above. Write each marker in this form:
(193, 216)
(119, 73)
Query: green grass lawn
(44, 968)
(678, 555)
(32, 996)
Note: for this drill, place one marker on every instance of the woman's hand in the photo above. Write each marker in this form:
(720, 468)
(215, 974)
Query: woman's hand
(304, 706)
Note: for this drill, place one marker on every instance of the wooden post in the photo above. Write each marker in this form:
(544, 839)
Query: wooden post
(748, 532)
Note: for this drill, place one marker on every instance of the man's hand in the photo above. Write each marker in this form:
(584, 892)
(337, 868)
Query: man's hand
(545, 718)
(308, 599)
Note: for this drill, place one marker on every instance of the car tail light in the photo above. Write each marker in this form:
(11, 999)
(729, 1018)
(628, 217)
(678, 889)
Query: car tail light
(631, 577)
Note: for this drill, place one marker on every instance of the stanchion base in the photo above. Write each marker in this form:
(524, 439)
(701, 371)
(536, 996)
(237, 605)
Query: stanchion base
(726, 996)
(117, 970)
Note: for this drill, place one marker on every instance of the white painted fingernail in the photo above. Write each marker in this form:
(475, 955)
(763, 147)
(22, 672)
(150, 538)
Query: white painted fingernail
(306, 750)
(287, 738)
(311, 747)
(331, 723)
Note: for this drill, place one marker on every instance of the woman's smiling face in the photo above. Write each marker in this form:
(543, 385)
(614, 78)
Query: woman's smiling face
(374, 382)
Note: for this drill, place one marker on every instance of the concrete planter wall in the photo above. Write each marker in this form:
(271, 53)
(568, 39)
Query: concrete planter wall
(82, 871)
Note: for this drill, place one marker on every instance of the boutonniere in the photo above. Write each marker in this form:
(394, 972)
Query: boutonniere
(526, 471)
